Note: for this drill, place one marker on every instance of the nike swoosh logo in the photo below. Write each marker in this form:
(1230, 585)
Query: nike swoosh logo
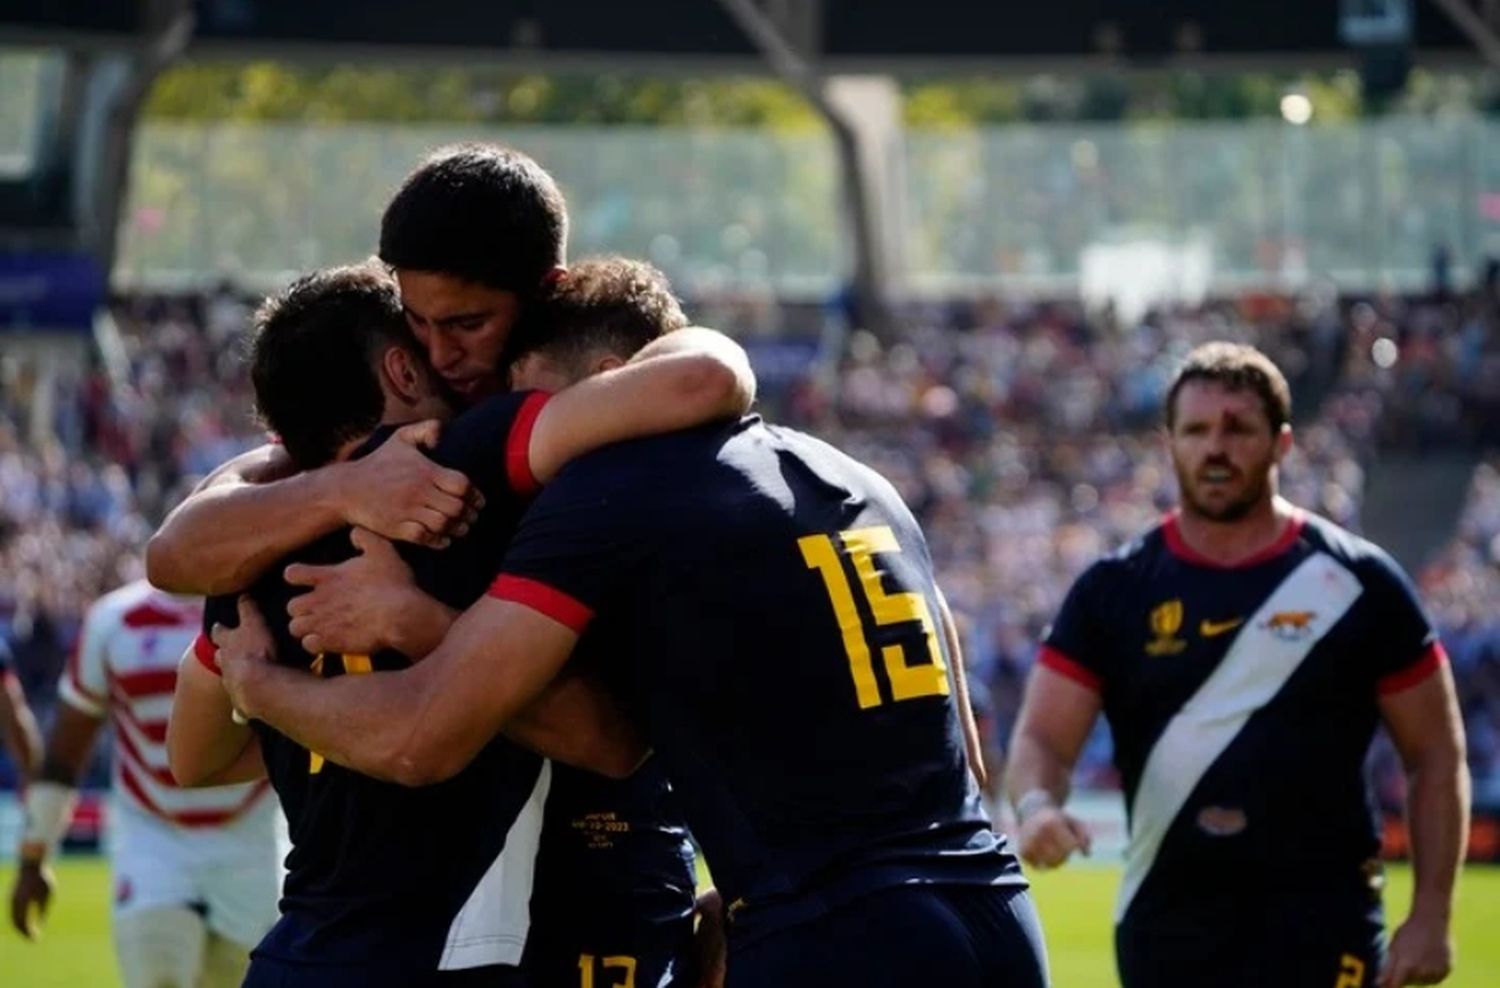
(1213, 629)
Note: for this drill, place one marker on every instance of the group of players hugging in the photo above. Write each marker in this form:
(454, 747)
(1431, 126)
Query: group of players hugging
(522, 602)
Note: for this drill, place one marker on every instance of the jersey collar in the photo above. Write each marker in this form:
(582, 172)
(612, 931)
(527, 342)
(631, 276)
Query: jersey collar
(1179, 547)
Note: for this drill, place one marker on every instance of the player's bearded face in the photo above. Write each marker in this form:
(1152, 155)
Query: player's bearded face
(1223, 451)
(463, 325)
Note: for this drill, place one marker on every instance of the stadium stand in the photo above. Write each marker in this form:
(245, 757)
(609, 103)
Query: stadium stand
(1021, 432)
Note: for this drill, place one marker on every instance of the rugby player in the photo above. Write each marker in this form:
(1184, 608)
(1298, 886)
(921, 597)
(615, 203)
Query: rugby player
(613, 898)
(781, 643)
(18, 731)
(196, 873)
(377, 893)
(1244, 652)
(473, 235)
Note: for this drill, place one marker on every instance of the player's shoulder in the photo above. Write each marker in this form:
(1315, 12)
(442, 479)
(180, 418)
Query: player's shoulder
(1130, 560)
(1376, 570)
(135, 602)
(1371, 564)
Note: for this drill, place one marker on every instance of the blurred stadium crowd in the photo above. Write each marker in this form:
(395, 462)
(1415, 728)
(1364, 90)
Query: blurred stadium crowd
(1022, 433)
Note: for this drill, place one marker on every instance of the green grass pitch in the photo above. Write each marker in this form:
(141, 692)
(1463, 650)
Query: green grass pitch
(1075, 904)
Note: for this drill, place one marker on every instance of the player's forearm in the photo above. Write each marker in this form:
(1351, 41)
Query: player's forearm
(1438, 817)
(247, 766)
(579, 723)
(700, 377)
(21, 735)
(203, 741)
(420, 625)
(728, 376)
(1034, 767)
(222, 539)
(421, 725)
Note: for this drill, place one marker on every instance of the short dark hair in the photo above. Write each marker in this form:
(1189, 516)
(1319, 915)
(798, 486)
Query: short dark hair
(605, 303)
(479, 212)
(1237, 367)
(314, 348)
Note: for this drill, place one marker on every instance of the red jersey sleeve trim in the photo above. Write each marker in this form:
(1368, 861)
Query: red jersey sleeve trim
(518, 446)
(1403, 679)
(206, 653)
(544, 600)
(1061, 664)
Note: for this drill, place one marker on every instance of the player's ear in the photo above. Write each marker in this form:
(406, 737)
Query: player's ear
(1283, 441)
(404, 376)
(604, 362)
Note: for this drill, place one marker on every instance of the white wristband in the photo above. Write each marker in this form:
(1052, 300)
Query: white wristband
(49, 811)
(1031, 801)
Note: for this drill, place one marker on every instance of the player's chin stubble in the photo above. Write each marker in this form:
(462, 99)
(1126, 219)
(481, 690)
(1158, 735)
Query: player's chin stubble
(1225, 512)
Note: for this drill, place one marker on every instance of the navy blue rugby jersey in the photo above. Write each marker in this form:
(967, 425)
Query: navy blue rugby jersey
(1242, 701)
(398, 882)
(779, 608)
(616, 865)
(623, 847)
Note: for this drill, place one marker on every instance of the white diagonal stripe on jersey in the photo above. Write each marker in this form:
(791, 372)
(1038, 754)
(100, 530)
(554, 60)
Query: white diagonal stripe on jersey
(492, 926)
(1253, 670)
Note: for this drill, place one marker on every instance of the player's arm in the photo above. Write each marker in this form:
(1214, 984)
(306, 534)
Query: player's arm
(417, 726)
(255, 510)
(1057, 714)
(205, 747)
(578, 722)
(372, 602)
(682, 379)
(961, 688)
(1425, 724)
(18, 728)
(49, 809)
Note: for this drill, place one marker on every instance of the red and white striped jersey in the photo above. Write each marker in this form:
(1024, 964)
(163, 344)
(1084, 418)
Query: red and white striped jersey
(125, 667)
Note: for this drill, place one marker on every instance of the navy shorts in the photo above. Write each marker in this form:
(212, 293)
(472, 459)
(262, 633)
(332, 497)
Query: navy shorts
(660, 956)
(913, 936)
(268, 972)
(1296, 942)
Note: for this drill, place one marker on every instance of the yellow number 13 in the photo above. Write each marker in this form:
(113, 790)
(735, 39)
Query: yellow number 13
(862, 545)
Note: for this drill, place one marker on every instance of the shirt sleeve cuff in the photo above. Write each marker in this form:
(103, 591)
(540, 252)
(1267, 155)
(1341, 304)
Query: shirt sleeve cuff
(70, 694)
(545, 600)
(207, 654)
(518, 446)
(1060, 663)
(1425, 665)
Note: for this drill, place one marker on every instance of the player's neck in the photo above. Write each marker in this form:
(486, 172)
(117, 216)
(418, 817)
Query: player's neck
(1229, 543)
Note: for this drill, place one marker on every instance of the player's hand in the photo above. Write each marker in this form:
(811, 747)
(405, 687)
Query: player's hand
(399, 493)
(30, 898)
(709, 944)
(1421, 953)
(1048, 837)
(350, 607)
(244, 651)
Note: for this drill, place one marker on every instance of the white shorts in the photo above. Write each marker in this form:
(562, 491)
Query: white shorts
(171, 947)
(229, 875)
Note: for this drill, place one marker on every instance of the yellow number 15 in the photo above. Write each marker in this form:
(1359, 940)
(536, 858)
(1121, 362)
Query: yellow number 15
(862, 545)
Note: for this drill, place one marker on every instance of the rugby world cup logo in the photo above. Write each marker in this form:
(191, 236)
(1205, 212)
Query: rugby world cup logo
(1166, 622)
(1291, 625)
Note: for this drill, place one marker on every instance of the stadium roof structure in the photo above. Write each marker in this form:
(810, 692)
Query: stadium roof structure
(842, 35)
(115, 49)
